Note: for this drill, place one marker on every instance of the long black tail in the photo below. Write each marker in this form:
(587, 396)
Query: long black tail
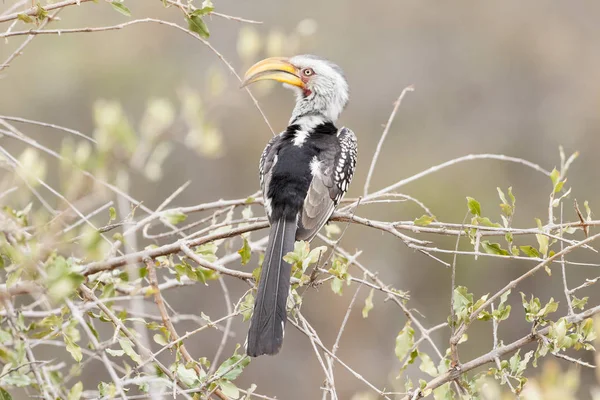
(268, 321)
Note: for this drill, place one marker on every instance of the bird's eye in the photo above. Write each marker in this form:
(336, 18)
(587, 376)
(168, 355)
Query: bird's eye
(308, 71)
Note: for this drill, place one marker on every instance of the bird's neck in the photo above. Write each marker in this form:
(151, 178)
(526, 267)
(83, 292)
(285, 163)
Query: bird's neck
(308, 122)
(315, 105)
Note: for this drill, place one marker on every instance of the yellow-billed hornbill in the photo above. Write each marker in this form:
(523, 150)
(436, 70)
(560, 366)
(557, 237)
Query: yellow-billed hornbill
(304, 172)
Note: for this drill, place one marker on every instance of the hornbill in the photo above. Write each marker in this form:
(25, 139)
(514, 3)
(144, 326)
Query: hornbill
(304, 172)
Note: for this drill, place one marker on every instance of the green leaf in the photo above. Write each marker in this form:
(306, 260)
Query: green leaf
(427, 365)
(368, 304)
(126, 346)
(196, 24)
(236, 371)
(73, 348)
(443, 392)
(187, 375)
(120, 7)
(504, 298)
(543, 242)
(474, 206)
(160, 339)
(207, 8)
(579, 303)
(493, 248)
(336, 286)
(229, 389)
(247, 306)
(501, 195)
(4, 395)
(463, 300)
(558, 187)
(424, 220)
(107, 389)
(554, 176)
(75, 392)
(112, 214)
(174, 217)
(332, 230)
(25, 18)
(511, 196)
(115, 353)
(530, 251)
(245, 252)
(485, 221)
(404, 341)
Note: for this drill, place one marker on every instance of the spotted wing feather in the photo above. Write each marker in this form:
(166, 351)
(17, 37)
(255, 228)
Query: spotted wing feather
(332, 173)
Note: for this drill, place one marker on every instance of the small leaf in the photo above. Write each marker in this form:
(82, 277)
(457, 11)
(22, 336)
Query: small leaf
(73, 348)
(112, 214)
(120, 7)
(247, 306)
(115, 353)
(579, 303)
(424, 220)
(493, 248)
(207, 8)
(530, 251)
(543, 242)
(336, 286)
(25, 18)
(229, 389)
(558, 187)
(554, 176)
(174, 217)
(427, 365)
(241, 360)
(186, 375)
(463, 300)
(368, 304)
(474, 206)
(245, 252)
(160, 339)
(404, 341)
(196, 24)
(74, 393)
(126, 346)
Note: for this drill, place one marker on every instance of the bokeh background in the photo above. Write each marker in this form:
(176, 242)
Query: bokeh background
(511, 77)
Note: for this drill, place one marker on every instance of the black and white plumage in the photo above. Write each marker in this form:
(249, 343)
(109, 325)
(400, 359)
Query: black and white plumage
(304, 173)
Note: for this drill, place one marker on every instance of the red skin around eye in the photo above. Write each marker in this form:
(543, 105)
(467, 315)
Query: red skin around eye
(305, 80)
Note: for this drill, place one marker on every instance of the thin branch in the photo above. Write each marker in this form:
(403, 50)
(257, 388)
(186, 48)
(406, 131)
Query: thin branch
(48, 125)
(436, 168)
(383, 136)
(33, 11)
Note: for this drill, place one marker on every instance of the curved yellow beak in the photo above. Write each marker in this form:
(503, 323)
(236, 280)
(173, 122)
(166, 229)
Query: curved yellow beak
(275, 68)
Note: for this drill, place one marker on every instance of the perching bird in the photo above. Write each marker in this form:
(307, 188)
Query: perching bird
(304, 173)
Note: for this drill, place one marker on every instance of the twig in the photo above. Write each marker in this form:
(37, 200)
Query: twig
(383, 136)
(470, 157)
(48, 125)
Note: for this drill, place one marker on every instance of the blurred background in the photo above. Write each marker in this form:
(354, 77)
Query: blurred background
(511, 77)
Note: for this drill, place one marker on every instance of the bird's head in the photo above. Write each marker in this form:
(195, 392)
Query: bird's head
(320, 85)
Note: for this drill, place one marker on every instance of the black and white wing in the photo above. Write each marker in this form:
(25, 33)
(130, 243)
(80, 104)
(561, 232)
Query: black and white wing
(332, 173)
(268, 159)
